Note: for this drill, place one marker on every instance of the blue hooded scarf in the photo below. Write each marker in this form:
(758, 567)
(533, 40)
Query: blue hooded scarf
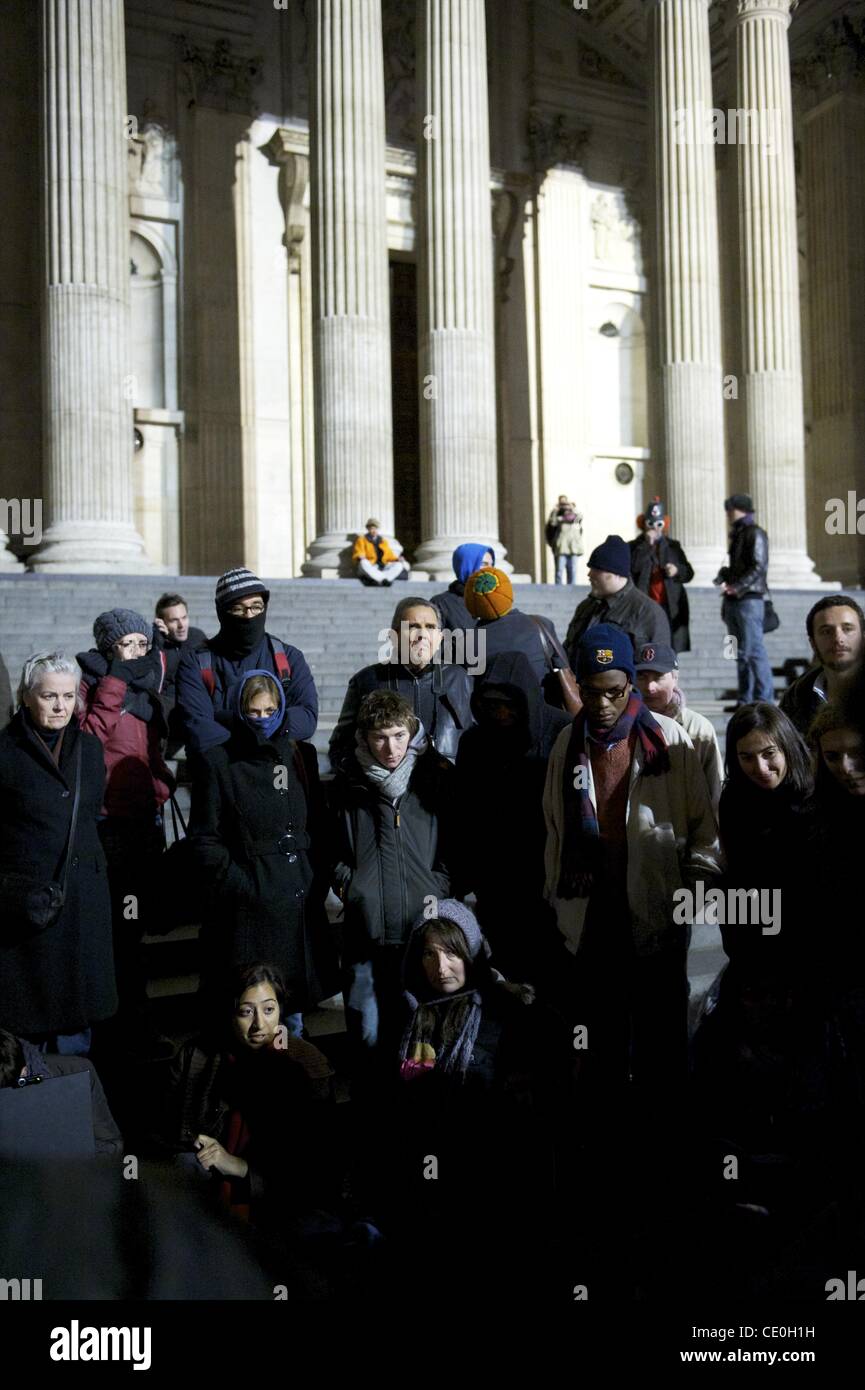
(265, 727)
(469, 558)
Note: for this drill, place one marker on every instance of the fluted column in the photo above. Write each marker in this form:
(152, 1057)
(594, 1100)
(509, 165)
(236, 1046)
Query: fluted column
(768, 257)
(687, 280)
(457, 386)
(351, 317)
(87, 396)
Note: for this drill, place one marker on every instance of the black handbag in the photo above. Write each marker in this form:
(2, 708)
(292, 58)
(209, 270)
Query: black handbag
(31, 905)
(180, 899)
(771, 621)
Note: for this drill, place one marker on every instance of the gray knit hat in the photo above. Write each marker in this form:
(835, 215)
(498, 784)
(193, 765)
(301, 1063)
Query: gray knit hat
(116, 623)
(450, 910)
(237, 584)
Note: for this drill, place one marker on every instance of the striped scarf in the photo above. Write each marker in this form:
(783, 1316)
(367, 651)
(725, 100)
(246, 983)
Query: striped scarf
(581, 840)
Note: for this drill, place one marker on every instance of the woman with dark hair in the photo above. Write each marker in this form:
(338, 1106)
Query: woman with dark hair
(477, 1082)
(438, 691)
(766, 823)
(244, 1103)
(257, 834)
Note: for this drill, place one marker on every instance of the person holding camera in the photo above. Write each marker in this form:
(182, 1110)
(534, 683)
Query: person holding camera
(660, 568)
(564, 533)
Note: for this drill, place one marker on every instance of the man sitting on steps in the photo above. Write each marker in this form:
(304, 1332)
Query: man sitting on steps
(377, 560)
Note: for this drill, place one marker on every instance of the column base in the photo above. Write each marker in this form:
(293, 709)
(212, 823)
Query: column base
(92, 547)
(330, 556)
(9, 562)
(793, 569)
(434, 558)
(705, 561)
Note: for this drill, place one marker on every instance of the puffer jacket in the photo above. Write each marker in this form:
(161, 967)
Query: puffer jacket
(391, 856)
(440, 697)
(137, 782)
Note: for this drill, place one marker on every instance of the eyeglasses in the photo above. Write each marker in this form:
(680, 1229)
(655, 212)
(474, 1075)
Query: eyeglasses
(247, 610)
(126, 644)
(594, 697)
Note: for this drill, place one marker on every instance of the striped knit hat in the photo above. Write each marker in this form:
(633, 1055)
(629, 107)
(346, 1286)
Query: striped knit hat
(237, 584)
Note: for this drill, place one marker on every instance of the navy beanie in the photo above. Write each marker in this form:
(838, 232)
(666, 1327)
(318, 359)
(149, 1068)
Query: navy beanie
(116, 623)
(614, 556)
(604, 647)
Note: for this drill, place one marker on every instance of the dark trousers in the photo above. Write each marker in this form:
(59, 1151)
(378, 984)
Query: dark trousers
(133, 849)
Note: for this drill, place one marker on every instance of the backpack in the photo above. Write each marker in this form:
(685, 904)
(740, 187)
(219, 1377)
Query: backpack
(280, 658)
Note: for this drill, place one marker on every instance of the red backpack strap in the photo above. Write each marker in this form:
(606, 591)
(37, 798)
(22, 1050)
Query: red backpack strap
(205, 666)
(280, 658)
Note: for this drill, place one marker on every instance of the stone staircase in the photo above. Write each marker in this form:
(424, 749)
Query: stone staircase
(336, 623)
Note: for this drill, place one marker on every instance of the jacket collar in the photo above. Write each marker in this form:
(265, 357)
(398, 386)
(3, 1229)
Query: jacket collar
(19, 726)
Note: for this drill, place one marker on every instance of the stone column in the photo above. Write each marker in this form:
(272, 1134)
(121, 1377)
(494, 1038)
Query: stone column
(687, 281)
(87, 390)
(768, 258)
(351, 314)
(833, 138)
(457, 387)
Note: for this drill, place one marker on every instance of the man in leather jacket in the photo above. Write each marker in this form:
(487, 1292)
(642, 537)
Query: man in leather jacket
(439, 693)
(744, 584)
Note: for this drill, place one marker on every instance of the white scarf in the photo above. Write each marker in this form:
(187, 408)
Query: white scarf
(393, 783)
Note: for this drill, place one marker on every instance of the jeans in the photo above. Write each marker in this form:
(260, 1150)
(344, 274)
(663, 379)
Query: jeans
(744, 619)
(566, 565)
(65, 1044)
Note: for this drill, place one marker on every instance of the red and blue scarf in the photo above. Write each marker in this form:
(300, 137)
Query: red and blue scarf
(581, 840)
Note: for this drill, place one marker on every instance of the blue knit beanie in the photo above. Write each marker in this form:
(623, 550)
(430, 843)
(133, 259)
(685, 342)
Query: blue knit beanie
(116, 623)
(614, 556)
(604, 647)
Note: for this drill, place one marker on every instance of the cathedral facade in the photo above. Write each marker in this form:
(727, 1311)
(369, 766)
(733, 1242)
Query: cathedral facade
(281, 265)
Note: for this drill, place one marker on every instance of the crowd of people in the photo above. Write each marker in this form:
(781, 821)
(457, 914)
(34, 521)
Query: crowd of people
(514, 862)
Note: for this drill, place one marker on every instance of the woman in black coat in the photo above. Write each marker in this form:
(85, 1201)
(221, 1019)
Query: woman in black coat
(256, 830)
(660, 568)
(58, 981)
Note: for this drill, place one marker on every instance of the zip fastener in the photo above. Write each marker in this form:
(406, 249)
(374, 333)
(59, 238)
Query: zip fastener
(401, 867)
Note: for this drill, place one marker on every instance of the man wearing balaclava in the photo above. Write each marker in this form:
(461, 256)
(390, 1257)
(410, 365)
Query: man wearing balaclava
(206, 677)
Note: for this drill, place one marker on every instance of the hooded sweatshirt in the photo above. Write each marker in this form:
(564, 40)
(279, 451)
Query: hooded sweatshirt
(466, 560)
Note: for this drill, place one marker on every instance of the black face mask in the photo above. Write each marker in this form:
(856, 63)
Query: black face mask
(240, 636)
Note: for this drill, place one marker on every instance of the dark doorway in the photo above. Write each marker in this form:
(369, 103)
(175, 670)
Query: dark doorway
(406, 416)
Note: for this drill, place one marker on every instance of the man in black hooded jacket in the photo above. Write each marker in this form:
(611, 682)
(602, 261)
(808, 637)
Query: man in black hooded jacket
(501, 769)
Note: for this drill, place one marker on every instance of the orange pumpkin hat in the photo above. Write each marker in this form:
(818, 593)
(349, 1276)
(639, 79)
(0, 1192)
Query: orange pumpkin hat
(488, 593)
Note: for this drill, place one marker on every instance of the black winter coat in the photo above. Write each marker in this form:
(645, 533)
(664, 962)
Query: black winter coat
(644, 557)
(749, 560)
(389, 857)
(640, 617)
(516, 632)
(257, 834)
(60, 980)
(451, 605)
(440, 697)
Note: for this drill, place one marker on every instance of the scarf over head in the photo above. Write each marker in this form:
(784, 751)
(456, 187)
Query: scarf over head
(264, 728)
(469, 558)
(581, 843)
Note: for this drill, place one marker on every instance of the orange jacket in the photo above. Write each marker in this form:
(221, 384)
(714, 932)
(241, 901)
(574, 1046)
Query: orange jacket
(365, 550)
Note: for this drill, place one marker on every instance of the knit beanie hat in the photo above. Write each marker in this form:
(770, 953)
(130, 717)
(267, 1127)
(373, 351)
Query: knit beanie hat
(116, 623)
(238, 584)
(488, 593)
(613, 555)
(450, 910)
(740, 502)
(604, 647)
